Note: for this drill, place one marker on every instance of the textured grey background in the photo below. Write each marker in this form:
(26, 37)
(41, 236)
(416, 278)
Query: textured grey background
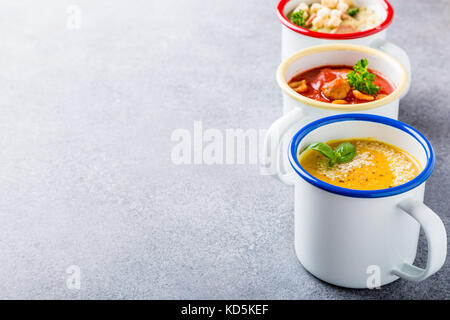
(85, 170)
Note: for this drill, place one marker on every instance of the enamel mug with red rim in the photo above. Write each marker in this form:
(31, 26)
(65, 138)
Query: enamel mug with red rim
(295, 38)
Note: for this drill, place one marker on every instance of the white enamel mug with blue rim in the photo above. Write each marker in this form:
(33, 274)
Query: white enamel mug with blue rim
(342, 235)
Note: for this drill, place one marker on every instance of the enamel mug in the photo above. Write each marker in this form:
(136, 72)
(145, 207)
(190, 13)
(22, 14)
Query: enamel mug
(342, 54)
(364, 238)
(295, 38)
(300, 110)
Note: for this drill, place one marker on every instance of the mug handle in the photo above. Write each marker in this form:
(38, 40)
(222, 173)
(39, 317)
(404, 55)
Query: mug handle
(436, 237)
(398, 53)
(272, 142)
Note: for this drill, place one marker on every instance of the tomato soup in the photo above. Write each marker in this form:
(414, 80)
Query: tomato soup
(329, 84)
(376, 165)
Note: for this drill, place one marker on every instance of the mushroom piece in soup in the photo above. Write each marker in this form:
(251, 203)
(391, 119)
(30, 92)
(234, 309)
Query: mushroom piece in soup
(334, 16)
(373, 165)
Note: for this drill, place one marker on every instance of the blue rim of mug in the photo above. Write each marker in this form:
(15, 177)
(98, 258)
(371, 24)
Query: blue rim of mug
(418, 180)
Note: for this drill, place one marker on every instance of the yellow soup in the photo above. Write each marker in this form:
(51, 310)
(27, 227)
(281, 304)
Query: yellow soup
(376, 165)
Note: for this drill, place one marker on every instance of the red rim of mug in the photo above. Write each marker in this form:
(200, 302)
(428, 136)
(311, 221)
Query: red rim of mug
(341, 36)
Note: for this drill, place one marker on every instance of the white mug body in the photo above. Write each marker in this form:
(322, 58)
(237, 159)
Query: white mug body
(389, 109)
(364, 238)
(291, 41)
(353, 242)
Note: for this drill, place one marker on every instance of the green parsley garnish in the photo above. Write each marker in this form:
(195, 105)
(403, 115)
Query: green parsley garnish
(298, 18)
(361, 79)
(353, 12)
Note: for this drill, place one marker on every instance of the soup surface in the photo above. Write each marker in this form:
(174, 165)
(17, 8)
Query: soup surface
(376, 165)
(334, 16)
(329, 84)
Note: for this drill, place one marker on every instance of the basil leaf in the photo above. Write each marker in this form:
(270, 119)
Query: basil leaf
(345, 152)
(324, 149)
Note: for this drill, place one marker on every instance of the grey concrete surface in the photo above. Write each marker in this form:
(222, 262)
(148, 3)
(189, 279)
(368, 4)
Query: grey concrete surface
(86, 176)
